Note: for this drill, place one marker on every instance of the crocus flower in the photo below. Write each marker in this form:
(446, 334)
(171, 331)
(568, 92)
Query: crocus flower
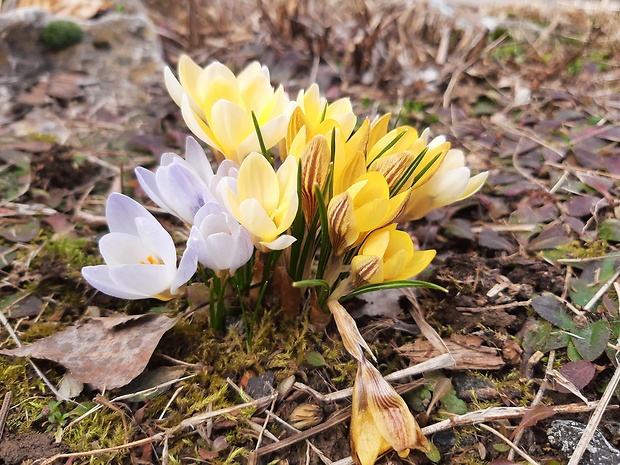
(182, 186)
(217, 106)
(266, 202)
(217, 241)
(380, 419)
(318, 117)
(139, 253)
(362, 208)
(450, 183)
(387, 254)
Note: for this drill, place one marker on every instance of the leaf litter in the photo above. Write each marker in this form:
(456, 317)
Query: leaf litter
(536, 104)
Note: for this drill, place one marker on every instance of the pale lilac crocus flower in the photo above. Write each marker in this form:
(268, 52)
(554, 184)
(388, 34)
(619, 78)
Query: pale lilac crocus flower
(217, 241)
(182, 186)
(140, 255)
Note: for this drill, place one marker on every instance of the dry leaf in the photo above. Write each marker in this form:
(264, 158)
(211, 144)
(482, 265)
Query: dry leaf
(467, 351)
(106, 352)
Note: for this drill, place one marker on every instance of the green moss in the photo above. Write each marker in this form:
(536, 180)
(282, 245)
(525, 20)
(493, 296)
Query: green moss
(61, 34)
(72, 253)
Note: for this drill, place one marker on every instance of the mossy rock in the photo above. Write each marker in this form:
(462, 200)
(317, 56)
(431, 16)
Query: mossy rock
(61, 34)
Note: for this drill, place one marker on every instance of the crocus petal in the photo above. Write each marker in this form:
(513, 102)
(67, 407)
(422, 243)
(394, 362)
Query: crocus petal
(232, 125)
(197, 125)
(474, 185)
(257, 180)
(281, 243)
(149, 280)
(272, 132)
(256, 220)
(121, 212)
(99, 277)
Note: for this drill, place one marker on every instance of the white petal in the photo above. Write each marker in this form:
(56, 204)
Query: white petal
(148, 280)
(197, 159)
(121, 212)
(99, 277)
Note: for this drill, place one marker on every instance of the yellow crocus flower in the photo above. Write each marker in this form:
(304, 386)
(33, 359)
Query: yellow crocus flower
(388, 255)
(318, 117)
(362, 208)
(217, 106)
(266, 201)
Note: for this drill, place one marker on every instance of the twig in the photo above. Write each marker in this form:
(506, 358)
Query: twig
(601, 291)
(339, 417)
(512, 445)
(4, 411)
(436, 363)
(595, 419)
(174, 396)
(500, 413)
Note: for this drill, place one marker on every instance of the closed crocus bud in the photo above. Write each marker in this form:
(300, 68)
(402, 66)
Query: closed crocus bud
(139, 253)
(266, 201)
(217, 241)
(388, 255)
(305, 416)
(380, 419)
(217, 106)
(182, 186)
(450, 183)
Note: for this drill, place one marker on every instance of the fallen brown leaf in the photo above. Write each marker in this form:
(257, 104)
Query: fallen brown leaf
(466, 350)
(106, 352)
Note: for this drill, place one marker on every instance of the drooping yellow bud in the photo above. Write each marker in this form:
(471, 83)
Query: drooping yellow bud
(380, 419)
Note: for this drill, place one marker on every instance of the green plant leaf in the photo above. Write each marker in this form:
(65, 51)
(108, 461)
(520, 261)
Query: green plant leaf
(552, 310)
(433, 454)
(610, 230)
(315, 359)
(592, 340)
(393, 285)
(453, 404)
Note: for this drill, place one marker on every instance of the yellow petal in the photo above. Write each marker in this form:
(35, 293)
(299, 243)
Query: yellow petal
(258, 181)
(257, 221)
(189, 72)
(419, 261)
(367, 269)
(230, 125)
(296, 123)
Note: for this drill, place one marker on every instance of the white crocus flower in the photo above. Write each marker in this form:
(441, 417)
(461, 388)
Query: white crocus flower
(217, 241)
(139, 253)
(182, 186)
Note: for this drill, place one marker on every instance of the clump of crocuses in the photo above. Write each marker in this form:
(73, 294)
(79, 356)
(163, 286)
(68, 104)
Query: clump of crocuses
(296, 189)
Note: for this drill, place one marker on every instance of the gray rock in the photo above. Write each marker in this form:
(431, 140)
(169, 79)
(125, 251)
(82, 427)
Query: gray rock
(119, 51)
(565, 434)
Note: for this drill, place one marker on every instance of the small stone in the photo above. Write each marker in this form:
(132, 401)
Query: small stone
(467, 386)
(565, 434)
(261, 386)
